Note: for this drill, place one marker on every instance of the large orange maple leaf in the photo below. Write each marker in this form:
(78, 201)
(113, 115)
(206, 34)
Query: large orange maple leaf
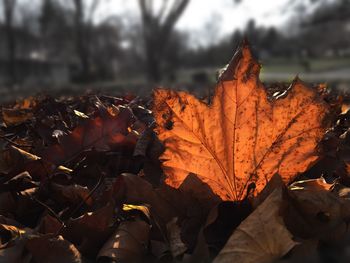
(242, 137)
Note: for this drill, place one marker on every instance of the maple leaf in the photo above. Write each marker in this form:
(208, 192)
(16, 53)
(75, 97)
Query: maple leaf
(242, 137)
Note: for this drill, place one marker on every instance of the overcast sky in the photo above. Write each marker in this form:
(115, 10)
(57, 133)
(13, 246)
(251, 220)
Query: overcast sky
(206, 21)
(200, 14)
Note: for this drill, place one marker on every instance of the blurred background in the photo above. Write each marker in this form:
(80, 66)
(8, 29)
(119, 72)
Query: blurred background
(118, 46)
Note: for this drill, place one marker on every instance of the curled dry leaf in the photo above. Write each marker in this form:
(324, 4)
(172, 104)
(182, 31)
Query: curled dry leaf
(96, 226)
(87, 233)
(71, 193)
(24, 244)
(128, 243)
(80, 114)
(165, 203)
(8, 233)
(318, 184)
(222, 220)
(149, 148)
(262, 237)
(12, 242)
(15, 116)
(27, 103)
(242, 137)
(49, 248)
(18, 183)
(314, 211)
(140, 208)
(140, 191)
(20, 161)
(8, 203)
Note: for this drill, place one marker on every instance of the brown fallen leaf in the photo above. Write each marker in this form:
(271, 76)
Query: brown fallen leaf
(160, 250)
(100, 133)
(242, 137)
(15, 116)
(177, 246)
(12, 245)
(222, 220)
(318, 184)
(129, 242)
(80, 114)
(15, 254)
(8, 204)
(262, 237)
(274, 183)
(111, 189)
(49, 225)
(8, 233)
(26, 103)
(143, 209)
(71, 193)
(140, 191)
(20, 161)
(87, 233)
(49, 248)
(306, 251)
(149, 148)
(345, 107)
(18, 183)
(25, 245)
(9, 221)
(314, 211)
(165, 204)
(15, 156)
(96, 227)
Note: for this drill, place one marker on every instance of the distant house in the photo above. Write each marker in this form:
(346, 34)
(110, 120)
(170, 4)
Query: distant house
(31, 65)
(32, 72)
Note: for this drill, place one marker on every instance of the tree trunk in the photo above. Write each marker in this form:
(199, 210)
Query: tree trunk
(10, 41)
(157, 29)
(153, 59)
(81, 45)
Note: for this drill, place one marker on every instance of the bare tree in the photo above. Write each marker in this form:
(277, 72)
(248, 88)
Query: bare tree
(9, 8)
(157, 29)
(83, 23)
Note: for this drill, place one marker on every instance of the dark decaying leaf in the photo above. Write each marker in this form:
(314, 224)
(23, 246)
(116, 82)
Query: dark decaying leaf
(49, 248)
(99, 133)
(129, 242)
(24, 244)
(314, 211)
(222, 221)
(15, 116)
(252, 241)
(149, 148)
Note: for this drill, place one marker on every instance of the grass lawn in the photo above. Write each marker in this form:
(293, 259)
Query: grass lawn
(316, 65)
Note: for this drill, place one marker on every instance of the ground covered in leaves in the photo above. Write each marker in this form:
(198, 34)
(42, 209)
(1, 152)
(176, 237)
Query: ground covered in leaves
(258, 175)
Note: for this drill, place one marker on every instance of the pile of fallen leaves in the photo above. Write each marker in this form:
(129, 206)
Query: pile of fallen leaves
(258, 175)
